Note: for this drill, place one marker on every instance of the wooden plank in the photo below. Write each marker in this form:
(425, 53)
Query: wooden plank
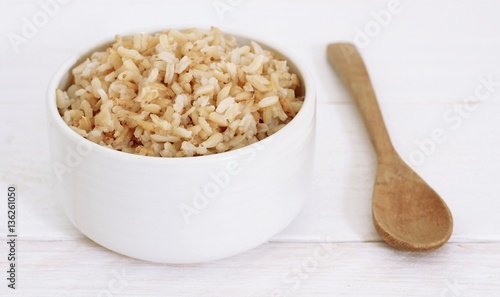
(398, 56)
(463, 170)
(415, 94)
(81, 268)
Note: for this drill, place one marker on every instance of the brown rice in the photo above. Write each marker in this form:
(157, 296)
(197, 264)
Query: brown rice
(180, 93)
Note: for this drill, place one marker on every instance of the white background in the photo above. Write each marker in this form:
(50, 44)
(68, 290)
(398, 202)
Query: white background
(426, 58)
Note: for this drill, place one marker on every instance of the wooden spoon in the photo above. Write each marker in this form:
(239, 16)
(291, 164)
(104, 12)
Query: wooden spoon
(407, 213)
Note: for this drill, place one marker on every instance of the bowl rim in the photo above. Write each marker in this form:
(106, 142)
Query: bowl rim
(307, 108)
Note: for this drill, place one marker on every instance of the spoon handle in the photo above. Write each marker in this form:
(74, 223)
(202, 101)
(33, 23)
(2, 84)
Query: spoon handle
(347, 62)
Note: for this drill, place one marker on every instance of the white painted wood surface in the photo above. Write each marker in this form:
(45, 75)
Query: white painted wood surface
(428, 59)
(81, 268)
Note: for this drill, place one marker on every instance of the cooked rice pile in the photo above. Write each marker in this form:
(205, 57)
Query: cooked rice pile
(175, 94)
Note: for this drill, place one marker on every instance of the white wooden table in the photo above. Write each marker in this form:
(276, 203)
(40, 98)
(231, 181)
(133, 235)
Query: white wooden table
(427, 60)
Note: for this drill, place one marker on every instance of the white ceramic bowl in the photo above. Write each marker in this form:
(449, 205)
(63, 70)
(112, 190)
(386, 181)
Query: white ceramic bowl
(184, 210)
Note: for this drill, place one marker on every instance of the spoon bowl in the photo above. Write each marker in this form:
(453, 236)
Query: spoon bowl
(407, 213)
